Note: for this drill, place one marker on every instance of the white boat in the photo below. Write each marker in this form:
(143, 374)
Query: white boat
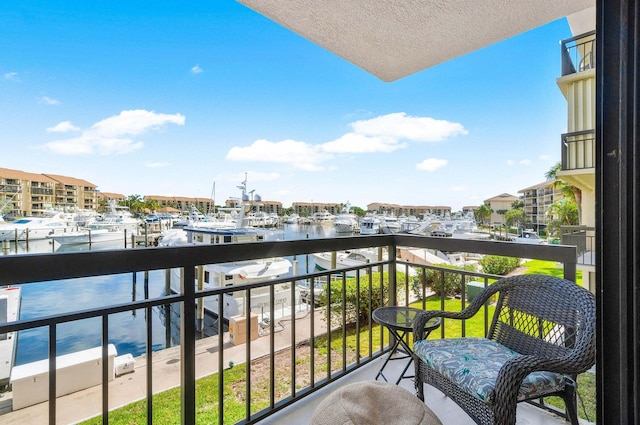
(237, 273)
(91, 236)
(409, 224)
(530, 237)
(323, 217)
(33, 228)
(9, 312)
(292, 219)
(346, 259)
(346, 221)
(390, 224)
(370, 225)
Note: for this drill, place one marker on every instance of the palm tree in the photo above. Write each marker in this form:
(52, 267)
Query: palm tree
(514, 218)
(482, 213)
(567, 190)
(564, 213)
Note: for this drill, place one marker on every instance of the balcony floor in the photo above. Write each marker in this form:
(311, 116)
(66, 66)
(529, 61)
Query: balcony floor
(448, 412)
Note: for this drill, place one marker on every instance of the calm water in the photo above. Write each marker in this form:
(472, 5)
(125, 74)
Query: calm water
(127, 331)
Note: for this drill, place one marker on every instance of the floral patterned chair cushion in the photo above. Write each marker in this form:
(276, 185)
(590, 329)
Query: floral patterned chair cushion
(473, 364)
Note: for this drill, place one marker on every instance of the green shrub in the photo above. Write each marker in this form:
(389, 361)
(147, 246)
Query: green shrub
(358, 307)
(495, 264)
(432, 279)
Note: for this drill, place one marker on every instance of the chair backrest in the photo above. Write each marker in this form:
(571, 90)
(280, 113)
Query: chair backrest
(545, 316)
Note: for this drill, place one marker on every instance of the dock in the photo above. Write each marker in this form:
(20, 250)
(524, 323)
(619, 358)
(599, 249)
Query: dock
(9, 312)
(82, 405)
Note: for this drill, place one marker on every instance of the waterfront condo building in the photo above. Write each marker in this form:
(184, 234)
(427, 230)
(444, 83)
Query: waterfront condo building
(578, 145)
(25, 194)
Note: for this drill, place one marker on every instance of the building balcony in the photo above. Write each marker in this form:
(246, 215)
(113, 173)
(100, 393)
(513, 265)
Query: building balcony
(9, 188)
(578, 150)
(578, 53)
(583, 238)
(290, 367)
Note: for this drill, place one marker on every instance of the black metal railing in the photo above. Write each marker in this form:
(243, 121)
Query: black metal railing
(583, 238)
(578, 53)
(578, 150)
(342, 307)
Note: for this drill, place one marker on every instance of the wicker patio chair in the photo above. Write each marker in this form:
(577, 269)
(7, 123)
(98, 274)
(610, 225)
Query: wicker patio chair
(541, 336)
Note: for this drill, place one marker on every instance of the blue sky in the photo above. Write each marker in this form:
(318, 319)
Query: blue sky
(151, 98)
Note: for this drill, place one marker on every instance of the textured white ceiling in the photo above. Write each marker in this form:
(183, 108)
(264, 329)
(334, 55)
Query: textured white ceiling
(395, 38)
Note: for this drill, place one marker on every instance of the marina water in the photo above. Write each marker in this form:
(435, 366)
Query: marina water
(127, 331)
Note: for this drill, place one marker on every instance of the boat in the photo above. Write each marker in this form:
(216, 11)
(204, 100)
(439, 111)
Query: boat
(346, 259)
(33, 228)
(370, 225)
(90, 235)
(322, 217)
(390, 224)
(292, 219)
(10, 300)
(117, 225)
(117, 219)
(237, 273)
(530, 237)
(346, 221)
(408, 224)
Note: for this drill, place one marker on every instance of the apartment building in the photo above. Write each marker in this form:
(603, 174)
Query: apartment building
(256, 206)
(182, 203)
(415, 210)
(578, 145)
(23, 193)
(537, 199)
(71, 192)
(118, 197)
(501, 202)
(306, 209)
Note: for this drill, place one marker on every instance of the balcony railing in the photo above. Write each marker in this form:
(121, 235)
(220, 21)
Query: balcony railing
(578, 53)
(578, 150)
(583, 238)
(332, 355)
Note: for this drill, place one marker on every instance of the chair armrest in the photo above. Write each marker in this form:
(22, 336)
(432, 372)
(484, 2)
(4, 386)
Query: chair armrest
(513, 372)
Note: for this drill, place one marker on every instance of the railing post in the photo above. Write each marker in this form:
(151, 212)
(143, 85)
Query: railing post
(188, 347)
(570, 267)
(393, 285)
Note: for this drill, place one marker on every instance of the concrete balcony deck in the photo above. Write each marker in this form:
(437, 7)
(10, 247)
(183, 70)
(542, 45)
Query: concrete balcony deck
(448, 412)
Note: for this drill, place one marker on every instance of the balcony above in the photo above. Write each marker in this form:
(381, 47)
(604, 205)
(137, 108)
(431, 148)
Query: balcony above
(579, 53)
(578, 150)
(393, 39)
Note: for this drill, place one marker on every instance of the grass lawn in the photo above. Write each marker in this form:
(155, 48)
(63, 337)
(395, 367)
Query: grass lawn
(548, 267)
(586, 381)
(166, 405)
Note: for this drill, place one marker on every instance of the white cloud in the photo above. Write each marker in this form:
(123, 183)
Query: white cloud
(359, 143)
(109, 136)
(525, 162)
(86, 144)
(13, 76)
(459, 188)
(431, 164)
(385, 134)
(63, 127)
(401, 126)
(544, 157)
(196, 69)
(298, 154)
(134, 122)
(156, 164)
(49, 101)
